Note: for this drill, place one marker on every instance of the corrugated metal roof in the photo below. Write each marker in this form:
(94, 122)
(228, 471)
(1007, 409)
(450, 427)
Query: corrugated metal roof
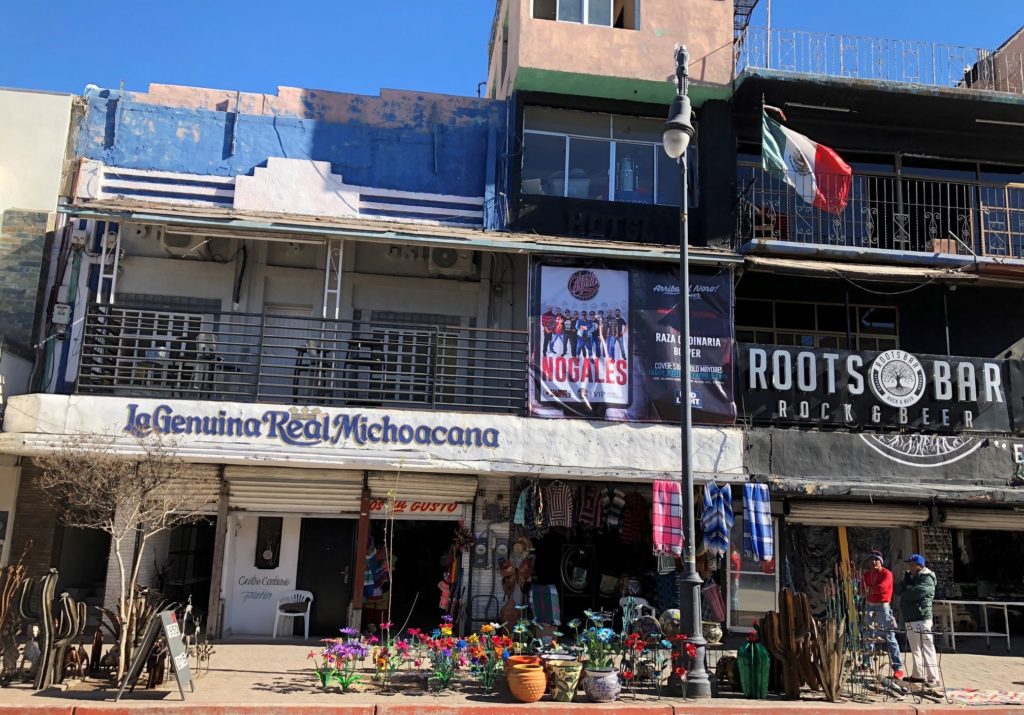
(278, 226)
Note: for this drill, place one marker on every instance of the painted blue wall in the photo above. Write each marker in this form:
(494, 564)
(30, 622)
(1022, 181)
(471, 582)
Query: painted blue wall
(432, 144)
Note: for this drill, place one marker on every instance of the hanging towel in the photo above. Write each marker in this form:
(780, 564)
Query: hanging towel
(758, 543)
(668, 518)
(545, 603)
(520, 516)
(717, 518)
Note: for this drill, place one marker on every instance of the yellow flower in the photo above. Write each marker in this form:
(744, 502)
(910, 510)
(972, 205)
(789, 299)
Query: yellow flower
(446, 629)
(473, 639)
(487, 628)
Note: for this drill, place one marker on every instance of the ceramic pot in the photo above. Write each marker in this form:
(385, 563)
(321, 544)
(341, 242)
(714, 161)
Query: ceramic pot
(712, 631)
(527, 682)
(513, 660)
(602, 685)
(564, 678)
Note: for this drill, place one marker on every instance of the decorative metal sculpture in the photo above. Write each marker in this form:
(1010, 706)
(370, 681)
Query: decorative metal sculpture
(56, 634)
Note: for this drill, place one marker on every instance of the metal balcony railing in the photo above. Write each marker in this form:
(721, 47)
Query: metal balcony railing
(246, 357)
(887, 212)
(875, 58)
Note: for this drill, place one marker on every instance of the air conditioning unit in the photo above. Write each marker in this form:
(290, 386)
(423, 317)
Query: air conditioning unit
(450, 262)
(182, 245)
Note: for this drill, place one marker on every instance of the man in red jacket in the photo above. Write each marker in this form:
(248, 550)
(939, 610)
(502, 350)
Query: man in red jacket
(876, 587)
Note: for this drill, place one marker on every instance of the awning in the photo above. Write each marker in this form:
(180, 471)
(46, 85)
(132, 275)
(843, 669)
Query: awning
(824, 513)
(947, 493)
(306, 491)
(229, 222)
(857, 271)
(985, 519)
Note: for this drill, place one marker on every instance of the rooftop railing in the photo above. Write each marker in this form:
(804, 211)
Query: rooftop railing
(887, 212)
(246, 357)
(880, 59)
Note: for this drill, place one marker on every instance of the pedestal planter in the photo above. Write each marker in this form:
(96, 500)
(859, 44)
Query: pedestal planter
(564, 679)
(602, 684)
(527, 682)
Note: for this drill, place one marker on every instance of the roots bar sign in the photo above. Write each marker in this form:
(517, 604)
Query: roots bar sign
(875, 390)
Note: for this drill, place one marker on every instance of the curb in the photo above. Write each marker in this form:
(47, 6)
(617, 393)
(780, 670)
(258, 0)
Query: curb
(539, 708)
(184, 707)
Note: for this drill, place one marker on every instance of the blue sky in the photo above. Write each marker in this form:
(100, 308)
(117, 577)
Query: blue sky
(361, 46)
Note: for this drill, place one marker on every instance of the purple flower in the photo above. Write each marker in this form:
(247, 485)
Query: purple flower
(446, 652)
(447, 618)
(349, 632)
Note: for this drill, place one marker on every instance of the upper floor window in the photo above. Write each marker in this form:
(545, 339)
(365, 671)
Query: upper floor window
(816, 325)
(598, 156)
(606, 13)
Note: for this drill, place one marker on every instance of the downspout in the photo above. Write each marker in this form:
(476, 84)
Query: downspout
(362, 540)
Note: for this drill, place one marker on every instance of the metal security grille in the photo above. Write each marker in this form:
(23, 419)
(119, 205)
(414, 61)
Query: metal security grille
(288, 359)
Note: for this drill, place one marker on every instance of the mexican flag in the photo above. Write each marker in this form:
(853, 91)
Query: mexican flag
(817, 173)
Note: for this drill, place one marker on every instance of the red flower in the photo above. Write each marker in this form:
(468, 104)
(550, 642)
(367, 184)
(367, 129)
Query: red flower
(413, 632)
(680, 671)
(691, 650)
(627, 674)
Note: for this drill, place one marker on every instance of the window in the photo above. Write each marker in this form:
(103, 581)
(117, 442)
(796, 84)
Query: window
(605, 13)
(599, 156)
(816, 325)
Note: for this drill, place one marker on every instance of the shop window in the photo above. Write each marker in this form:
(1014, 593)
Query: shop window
(599, 156)
(604, 13)
(817, 325)
(753, 586)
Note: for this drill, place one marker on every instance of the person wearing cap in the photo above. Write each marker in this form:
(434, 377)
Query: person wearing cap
(877, 585)
(917, 591)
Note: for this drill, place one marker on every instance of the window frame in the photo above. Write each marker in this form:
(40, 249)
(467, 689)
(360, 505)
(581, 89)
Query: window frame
(613, 142)
(816, 333)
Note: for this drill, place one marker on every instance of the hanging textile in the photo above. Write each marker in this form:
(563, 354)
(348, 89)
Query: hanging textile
(636, 519)
(668, 518)
(591, 507)
(612, 503)
(717, 518)
(545, 603)
(520, 515)
(558, 498)
(758, 542)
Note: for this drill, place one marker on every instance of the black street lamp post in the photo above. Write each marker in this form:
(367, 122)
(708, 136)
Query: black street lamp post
(676, 138)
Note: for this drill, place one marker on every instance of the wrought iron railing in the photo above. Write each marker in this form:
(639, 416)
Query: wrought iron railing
(886, 212)
(875, 58)
(282, 359)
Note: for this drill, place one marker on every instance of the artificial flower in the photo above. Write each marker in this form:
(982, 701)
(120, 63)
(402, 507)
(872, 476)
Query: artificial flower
(691, 650)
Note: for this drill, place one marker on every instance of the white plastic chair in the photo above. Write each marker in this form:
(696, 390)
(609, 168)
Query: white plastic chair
(294, 597)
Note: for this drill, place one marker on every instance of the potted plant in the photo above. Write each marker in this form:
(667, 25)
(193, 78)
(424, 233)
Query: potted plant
(601, 645)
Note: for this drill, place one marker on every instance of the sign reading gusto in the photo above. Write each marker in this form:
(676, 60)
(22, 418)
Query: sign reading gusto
(890, 389)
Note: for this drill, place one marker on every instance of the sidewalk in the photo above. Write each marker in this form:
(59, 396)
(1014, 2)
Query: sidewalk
(276, 679)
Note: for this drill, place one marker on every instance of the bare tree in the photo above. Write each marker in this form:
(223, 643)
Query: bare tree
(136, 496)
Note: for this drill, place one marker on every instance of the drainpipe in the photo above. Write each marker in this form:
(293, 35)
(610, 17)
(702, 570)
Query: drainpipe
(362, 540)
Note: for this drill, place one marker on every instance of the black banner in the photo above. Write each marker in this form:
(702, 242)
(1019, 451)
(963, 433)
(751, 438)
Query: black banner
(605, 343)
(893, 389)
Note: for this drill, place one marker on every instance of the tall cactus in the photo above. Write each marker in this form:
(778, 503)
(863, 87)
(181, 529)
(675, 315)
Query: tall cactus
(754, 665)
(788, 635)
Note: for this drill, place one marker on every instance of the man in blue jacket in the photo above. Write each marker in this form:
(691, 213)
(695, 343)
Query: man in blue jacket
(917, 592)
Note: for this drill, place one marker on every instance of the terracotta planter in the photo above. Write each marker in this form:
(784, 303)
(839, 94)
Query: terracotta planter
(602, 685)
(527, 683)
(514, 660)
(564, 678)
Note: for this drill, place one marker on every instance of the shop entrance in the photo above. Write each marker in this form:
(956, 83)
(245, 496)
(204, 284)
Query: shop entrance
(83, 565)
(419, 560)
(326, 549)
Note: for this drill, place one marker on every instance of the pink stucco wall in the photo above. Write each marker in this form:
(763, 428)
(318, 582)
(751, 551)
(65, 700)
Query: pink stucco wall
(705, 26)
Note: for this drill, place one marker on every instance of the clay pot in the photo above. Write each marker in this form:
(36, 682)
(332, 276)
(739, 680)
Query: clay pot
(564, 678)
(527, 682)
(711, 631)
(602, 685)
(514, 660)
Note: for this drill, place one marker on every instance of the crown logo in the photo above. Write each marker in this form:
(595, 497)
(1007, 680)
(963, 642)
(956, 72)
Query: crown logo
(305, 414)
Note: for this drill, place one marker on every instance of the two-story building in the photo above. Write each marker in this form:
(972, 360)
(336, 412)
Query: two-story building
(320, 300)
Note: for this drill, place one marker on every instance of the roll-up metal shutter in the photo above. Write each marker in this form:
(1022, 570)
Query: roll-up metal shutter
(204, 479)
(308, 491)
(982, 519)
(423, 487)
(825, 513)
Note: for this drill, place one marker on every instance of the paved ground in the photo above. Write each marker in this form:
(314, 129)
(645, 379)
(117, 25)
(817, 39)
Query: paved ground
(269, 679)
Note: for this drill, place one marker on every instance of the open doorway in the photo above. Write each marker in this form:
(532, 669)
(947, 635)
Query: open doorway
(83, 565)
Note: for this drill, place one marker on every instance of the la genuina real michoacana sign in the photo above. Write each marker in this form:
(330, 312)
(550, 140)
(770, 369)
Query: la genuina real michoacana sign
(893, 389)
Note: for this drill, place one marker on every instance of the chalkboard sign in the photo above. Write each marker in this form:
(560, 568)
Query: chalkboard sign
(166, 622)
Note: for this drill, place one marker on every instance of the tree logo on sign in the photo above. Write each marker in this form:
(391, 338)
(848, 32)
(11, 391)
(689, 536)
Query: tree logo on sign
(897, 378)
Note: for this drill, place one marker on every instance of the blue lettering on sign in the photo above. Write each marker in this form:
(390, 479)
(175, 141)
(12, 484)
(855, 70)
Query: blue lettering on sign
(308, 428)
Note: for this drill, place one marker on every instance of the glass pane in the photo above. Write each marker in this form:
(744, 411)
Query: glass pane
(755, 313)
(668, 180)
(544, 9)
(634, 172)
(794, 315)
(746, 336)
(567, 121)
(570, 10)
(543, 164)
(588, 168)
(832, 318)
(600, 12)
(638, 129)
(878, 320)
(750, 596)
